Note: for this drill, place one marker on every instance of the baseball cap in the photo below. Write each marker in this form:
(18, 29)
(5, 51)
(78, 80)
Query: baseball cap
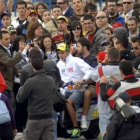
(11, 29)
(120, 31)
(62, 47)
(5, 14)
(32, 11)
(125, 97)
(116, 25)
(62, 17)
(101, 56)
(105, 43)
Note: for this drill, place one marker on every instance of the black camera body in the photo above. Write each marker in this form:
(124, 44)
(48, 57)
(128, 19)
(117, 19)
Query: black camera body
(31, 44)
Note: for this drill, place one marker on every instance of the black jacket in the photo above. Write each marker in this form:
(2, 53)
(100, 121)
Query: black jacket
(49, 67)
(127, 55)
(39, 90)
(120, 129)
(136, 62)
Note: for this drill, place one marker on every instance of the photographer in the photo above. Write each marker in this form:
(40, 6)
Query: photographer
(121, 129)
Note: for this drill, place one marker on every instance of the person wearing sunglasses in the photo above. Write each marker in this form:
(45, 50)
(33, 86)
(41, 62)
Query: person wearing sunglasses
(113, 15)
(121, 43)
(102, 20)
(75, 34)
(68, 11)
(94, 34)
(128, 6)
(136, 49)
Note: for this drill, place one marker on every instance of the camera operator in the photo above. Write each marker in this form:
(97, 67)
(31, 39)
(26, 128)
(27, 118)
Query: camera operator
(121, 129)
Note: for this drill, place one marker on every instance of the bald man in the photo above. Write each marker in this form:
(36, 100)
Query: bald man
(102, 20)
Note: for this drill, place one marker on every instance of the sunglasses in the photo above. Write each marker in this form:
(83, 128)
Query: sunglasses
(30, 8)
(135, 48)
(76, 28)
(100, 17)
(60, 3)
(127, 2)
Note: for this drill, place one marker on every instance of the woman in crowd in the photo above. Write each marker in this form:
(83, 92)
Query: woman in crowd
(46, 46)
(34, 30)
(46, 17)
(39, 8)
(76, 33)
(109, 33)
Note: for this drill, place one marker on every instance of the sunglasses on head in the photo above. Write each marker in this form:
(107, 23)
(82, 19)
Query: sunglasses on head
(127, 2)
(76, 28)
(135, 48)
(100, 17)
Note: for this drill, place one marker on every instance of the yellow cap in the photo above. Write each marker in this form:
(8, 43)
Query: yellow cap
(61, 46)
(62, 17)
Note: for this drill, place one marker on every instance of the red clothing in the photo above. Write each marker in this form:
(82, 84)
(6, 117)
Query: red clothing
(90, 37)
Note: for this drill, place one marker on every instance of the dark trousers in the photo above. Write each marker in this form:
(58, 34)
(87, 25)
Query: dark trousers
(6, 132)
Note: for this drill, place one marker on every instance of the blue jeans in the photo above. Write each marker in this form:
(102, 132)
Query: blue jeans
(55, 119)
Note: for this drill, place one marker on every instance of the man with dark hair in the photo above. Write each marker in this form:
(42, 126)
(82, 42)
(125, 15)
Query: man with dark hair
(83, 49)
(68, 11)
(52, 25)
(136, 49)
(62, 22)
(32, 16)
(8, 62)
(133, 29)
(130, 84)
(21, 9)
(112, 67)
(91, 9)
(113, 15)
(51, 69)
(95, 35)
(78, 10)
(40, 123)
(122, 43)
